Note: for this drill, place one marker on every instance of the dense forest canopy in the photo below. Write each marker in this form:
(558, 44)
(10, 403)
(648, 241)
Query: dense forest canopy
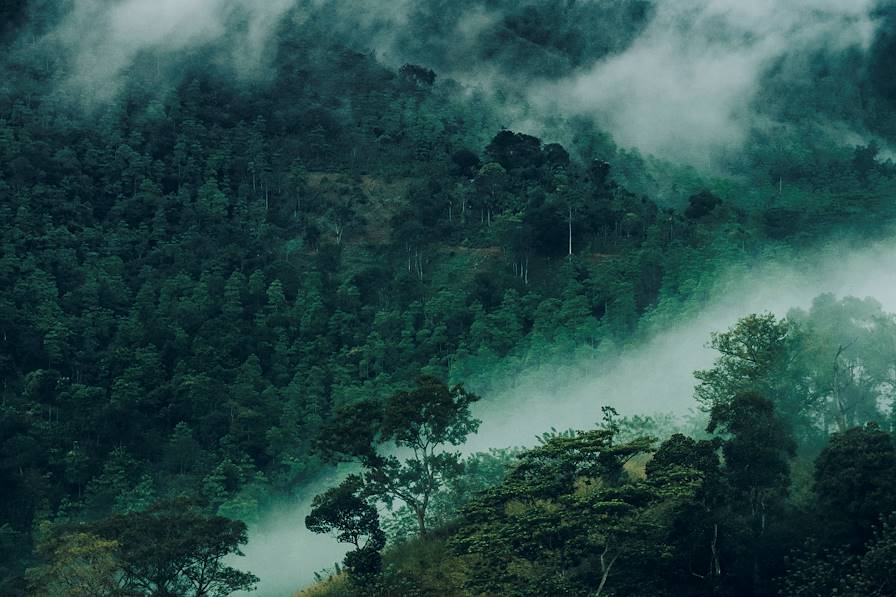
(244, 241)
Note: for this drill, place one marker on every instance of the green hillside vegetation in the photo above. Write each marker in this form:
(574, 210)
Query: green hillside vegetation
(200, 277)
(778, 495)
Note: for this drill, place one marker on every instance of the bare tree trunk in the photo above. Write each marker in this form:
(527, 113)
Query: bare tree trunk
(837, 389)
(605, 570)
(570, 230)
(715, 567)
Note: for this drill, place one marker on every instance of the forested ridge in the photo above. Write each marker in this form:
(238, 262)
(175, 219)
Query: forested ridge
(214, 286)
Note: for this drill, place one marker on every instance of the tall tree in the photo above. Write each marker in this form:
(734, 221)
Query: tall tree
(405, 443)
(757, 447)
(759, 355)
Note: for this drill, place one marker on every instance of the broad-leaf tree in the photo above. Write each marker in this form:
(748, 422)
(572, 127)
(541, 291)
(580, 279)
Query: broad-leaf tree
(345, 510)
(405, 443)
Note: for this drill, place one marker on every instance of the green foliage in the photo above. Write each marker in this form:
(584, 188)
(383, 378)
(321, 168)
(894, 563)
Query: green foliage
(424, 422)
(78, 564)
(855, 483)
(200, 274)
(168, 549)
(567, 507)
(345, 510)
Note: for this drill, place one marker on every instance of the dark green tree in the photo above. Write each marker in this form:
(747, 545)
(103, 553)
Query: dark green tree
(174, 549)
(345, 510)
(855, 484)
(423, 423)
(757, 447)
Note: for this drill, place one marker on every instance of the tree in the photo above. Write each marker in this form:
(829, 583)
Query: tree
(345, 510)
(848, 354)
(297, 177)
(465, 162)
(701, 204)
(757, 447)
(759, 355)
(568, 519)
(174, 549)
(417, 75)
(211, 200)
(836, 571)
(572, 201)
(77, 564)
(424, 423)
(490, 181)
(694, 531)
(855, 484)
(515, 151)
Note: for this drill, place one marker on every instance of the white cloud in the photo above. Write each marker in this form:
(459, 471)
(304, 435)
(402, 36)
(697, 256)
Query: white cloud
(684, 88)
(102, 38)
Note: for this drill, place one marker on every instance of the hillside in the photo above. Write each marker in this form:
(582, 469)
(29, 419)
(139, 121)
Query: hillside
(231, 239)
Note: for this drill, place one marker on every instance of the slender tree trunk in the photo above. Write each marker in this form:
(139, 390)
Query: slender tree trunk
(605, 571)
(716, 568)
(570, 230)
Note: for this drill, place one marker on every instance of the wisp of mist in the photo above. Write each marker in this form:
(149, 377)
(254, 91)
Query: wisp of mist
(655, 377)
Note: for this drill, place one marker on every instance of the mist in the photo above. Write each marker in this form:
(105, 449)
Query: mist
(654, 377)
(657, 377)
(685, 88)
(282, 552)
(682, 88)
(102, 40)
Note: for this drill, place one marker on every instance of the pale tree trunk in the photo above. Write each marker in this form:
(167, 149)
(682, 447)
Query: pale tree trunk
(605, 568)
(838, 387)
(569, 222)
(715, 567)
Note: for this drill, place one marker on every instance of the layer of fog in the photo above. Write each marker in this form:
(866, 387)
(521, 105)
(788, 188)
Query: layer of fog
(103, 39)
(655, 377)
(282, 552)
(685, 88)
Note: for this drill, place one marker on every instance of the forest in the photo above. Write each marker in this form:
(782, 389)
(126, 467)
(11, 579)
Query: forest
(297, 255)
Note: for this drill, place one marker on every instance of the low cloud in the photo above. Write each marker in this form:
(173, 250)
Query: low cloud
(102, 39)
(682, 86)
(685, 88)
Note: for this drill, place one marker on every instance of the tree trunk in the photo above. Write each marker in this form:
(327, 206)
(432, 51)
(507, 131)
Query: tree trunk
(716, 568)
(570, 230)
(605, 571)
(421, 521)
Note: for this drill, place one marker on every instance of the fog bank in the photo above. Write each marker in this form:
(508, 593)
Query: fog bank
(685, 88)
(682, 85)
